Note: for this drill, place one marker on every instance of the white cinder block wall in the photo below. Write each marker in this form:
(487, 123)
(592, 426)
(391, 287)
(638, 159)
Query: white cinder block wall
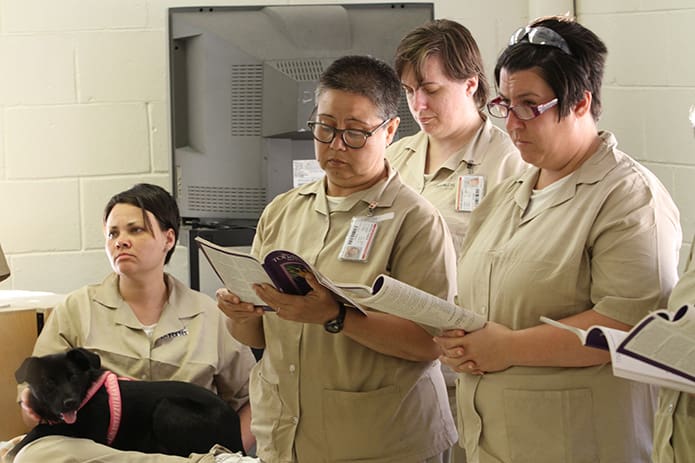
(84, 110)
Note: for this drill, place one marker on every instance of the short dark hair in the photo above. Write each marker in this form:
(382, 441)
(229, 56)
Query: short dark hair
(366, 76)
(456, 47)
(569, 75)
(151, 198)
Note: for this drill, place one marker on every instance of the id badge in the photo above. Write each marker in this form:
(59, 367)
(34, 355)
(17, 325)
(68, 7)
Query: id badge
(359, 239)
(470, 190)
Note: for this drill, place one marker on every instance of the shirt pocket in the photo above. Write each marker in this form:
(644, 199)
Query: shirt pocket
(360, 425)
(550, 426)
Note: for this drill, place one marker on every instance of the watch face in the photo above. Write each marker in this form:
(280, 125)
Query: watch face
(336, 325)
(333, 326)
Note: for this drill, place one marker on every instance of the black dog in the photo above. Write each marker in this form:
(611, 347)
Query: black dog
(170, 417)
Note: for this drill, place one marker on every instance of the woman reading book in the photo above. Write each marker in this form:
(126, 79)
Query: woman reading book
(587, 236)
(334, 384)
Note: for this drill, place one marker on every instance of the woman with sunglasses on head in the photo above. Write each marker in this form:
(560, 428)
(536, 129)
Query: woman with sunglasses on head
(587, 236)
(333, 384)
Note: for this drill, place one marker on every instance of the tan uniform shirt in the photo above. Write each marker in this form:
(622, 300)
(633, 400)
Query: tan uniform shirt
(190, 342)
(321, 397)
(609, 241)
(490, 154)
(674, 426)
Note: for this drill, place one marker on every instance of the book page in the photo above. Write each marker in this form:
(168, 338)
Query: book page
(238, 271)
(664, 343)
(599, 337)
(349, 293)
(405, 301)
(581, 334)
(628, 367)
(603, 337)
(653, 342)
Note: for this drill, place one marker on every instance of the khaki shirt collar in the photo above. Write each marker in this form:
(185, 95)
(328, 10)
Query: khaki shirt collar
(383, 195)
(470, 154)
(181, 305)
(593, 170)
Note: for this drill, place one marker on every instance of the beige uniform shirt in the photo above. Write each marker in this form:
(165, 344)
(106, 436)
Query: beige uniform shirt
(490, 154)
(320, 397)
(190, 342)
(674, 427)
(609, 241)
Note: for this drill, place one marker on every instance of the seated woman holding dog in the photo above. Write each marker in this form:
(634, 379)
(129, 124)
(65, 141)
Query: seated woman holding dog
(144, 323)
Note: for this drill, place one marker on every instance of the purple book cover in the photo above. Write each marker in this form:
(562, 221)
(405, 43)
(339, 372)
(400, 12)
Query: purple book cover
(284, 268)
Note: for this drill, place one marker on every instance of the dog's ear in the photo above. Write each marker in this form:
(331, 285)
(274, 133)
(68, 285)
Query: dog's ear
(84, 359)
(26, 370)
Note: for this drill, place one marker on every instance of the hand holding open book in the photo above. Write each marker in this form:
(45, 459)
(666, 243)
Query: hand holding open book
(282, 269)
(660, 349)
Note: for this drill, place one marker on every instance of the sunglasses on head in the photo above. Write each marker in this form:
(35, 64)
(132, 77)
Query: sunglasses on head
(539, 35)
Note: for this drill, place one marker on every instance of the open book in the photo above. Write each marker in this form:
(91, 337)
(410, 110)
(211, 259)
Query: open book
(660, 349)
(282, 269)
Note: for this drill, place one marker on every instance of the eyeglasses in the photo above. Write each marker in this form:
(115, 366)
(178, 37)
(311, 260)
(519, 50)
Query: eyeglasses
(353, 138)
(539, 35)
(525, 112)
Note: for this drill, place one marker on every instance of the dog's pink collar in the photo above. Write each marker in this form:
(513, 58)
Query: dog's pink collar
(110, 381)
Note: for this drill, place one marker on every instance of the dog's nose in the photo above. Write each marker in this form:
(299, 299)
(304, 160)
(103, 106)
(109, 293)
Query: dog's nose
(70, 404)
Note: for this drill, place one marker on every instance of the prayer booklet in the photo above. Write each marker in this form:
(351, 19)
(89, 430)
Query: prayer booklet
(660, 349)
(238, 271)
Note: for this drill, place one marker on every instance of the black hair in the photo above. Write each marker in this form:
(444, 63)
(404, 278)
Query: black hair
(366, 76)
(569, 75)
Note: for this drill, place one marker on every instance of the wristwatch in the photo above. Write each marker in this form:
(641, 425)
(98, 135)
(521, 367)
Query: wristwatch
(336, 325)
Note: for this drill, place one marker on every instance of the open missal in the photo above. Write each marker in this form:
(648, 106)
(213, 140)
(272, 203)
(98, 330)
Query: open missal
(660, 349)
(238, 272)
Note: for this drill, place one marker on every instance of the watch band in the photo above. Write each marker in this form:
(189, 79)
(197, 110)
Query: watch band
(336, 325)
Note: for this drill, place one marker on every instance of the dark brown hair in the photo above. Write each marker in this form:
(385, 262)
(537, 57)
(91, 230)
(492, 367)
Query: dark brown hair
(568, 75)
(456, 47)
(151, 198)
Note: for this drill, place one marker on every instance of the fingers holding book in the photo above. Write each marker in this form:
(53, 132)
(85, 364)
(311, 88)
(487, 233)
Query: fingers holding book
(234, 308)
(316, 306)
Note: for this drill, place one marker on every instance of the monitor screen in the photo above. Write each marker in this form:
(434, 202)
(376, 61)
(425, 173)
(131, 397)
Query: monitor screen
(242, 85)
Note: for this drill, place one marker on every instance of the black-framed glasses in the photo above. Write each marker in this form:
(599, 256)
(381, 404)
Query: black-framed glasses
(353, 138)
(539, 35)
(525, 112)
